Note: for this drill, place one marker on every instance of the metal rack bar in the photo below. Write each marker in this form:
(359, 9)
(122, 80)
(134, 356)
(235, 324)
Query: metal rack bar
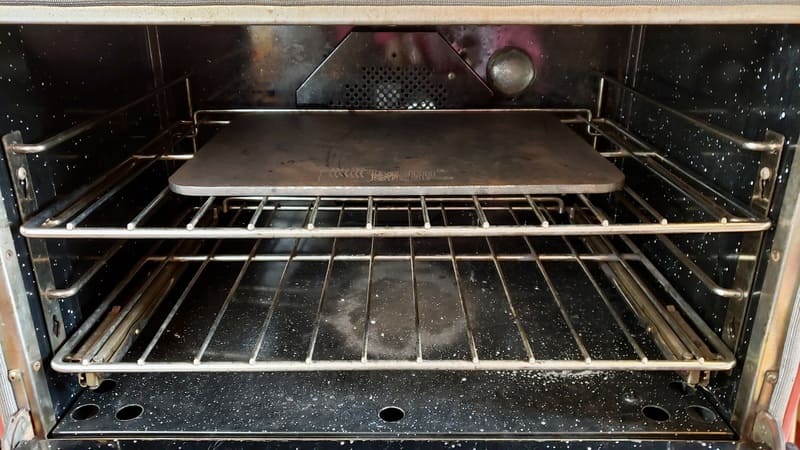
(66, 350)
(94, 348)
(652, 155)
(426, 220)
(720, 133)
(43, 226)
(571, 326)
(585, 112)
(404, 232)
(537, 212)
(694, 317)
(83, 127)
(526, 342)
(200, 213)
(601, 217)
(663, 320)
(473, 348)
(386, 365)
(312, 214)
(607, 302)
(399, 257)
(370, 214)
(557, 201)
(482, 220)
(367, 302)
(318, 315)
(154, 340)
(273, 306)
(94, 205)
(698, 272)
(75, 287)
(745, 210)
(149, 208)
(259, 209)
(224, 308)
(647, 207)
(708, 205)
(414, 288)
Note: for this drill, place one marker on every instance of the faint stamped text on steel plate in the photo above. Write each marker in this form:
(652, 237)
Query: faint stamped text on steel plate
(377, 175)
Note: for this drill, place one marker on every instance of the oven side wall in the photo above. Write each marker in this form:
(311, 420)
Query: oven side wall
(744, 79)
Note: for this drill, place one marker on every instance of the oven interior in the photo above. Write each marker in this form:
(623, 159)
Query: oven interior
(621, 315)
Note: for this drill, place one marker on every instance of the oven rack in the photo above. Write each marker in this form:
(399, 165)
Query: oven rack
(541, 303)
(625, 212)
(709, 210)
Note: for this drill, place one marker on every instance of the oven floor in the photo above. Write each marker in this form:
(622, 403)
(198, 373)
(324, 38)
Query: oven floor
(434, 404)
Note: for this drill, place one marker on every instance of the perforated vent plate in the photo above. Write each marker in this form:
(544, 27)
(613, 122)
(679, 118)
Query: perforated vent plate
(381, 70)
(394, 88)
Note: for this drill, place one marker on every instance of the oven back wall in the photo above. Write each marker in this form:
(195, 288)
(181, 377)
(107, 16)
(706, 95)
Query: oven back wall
(262, 66)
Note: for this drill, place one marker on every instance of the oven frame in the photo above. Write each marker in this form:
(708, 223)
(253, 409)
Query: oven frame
(762, 367)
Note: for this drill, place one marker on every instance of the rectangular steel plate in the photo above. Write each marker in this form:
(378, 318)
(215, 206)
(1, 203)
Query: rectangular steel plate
(396, 153)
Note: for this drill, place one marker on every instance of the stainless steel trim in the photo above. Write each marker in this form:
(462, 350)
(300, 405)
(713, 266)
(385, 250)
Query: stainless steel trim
(8, 404)
(790, 363)
(778, 298)
(19, 338)
(404, 15)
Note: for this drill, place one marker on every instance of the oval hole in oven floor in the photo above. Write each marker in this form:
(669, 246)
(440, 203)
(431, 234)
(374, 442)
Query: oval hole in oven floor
(129, 412)
(391, 414)
(701, 414)
(85, 412)
(656, 413)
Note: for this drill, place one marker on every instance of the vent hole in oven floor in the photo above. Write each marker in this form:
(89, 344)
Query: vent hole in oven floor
(701, 414)
(391, 414)
(655, 413)
(431, 401)
(85, 412)
(129, 412)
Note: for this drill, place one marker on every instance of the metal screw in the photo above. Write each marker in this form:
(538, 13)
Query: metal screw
(14, 375)
(451, 76)
(9, 254)
(22, 174)
(37, 366)
(772, 377)
(765, 173)
(775, 255)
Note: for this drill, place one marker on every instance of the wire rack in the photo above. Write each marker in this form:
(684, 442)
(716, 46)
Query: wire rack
(504, 303)
(685, 206)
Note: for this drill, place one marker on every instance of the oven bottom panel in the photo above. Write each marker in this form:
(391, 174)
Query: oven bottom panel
(205, 444)
(481, 405)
